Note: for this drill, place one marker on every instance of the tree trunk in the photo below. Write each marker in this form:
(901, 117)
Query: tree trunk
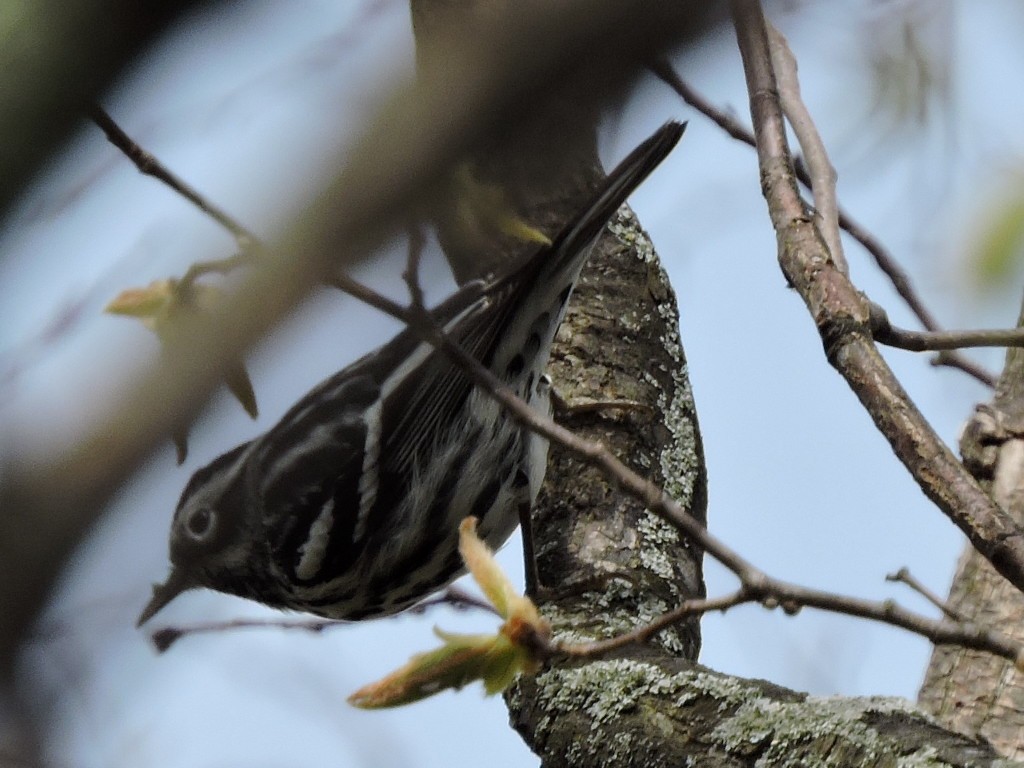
(974, 693)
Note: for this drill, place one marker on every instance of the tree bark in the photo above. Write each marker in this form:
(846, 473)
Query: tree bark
(974, 693)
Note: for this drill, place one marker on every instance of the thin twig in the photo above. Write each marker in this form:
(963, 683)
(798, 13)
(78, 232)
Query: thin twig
(883, 258)
(923, 341)
(452, 597)
(150, 166)
(904, 576)
(821, 173)
(459, 599)
(248, 243)
(773, 593)
(695, 607)
(952, 359)
(215, 266)
(165, 637)
(654, 497)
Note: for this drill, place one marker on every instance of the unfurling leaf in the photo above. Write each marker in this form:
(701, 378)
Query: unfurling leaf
(461, 660)
(494, 659)
(150, 304)
(483, 209)
(495, 584)
(160, 305)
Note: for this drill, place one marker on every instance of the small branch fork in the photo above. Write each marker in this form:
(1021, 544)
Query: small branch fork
(249, 245)
(756, 586)
(883, 258)
(904, 576)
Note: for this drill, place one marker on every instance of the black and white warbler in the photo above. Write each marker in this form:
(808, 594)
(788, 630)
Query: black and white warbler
(349, 507)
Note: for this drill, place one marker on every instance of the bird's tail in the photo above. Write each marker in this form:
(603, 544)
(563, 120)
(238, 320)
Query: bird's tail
(575, 237)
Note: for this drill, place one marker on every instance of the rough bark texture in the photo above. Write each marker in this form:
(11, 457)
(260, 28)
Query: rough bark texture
(647, 709)
(620, 342)
(971, 692)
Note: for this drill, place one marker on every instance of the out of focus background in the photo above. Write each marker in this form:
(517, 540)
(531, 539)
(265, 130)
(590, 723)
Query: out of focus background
(244, 100)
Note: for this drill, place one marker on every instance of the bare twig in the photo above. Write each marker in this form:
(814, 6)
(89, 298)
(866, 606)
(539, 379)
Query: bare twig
(216, 266)
(452, 597)
(883, 258)
(459, 599)
(923, 341)
(774, 593)
(653, 496)
(642, 634)
(953, 359)
(150, 166)
(904, 576)
(248, 243)
(165, 637)
(756, 586)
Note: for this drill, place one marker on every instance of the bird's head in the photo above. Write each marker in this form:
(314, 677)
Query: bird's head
(208, 546)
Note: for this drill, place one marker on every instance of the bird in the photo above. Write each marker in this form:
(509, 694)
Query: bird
(349, 507)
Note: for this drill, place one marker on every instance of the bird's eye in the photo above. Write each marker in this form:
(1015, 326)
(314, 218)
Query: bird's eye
(199, 523)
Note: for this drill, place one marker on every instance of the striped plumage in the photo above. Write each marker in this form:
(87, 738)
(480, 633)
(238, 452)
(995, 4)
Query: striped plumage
(349, 507)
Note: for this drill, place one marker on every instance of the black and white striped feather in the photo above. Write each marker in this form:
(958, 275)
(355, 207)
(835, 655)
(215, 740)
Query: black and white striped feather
(349, 506)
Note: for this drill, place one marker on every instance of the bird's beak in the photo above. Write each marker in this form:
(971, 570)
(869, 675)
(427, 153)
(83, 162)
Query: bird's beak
(176, 583)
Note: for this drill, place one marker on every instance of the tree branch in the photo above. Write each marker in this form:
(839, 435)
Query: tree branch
(150, 166)
(756, 586)
(842, 317)
(886, 333)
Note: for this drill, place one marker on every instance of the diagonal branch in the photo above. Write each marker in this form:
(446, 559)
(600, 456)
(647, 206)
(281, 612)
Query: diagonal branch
(756, 586)
(842, 316)
(820, 171)
(150, 166)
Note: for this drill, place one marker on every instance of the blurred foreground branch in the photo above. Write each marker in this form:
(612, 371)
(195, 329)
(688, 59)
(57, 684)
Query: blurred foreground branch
(415, 139)
(56, 57)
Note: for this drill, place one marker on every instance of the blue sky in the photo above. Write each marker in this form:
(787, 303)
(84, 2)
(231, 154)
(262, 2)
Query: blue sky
(245, 105)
